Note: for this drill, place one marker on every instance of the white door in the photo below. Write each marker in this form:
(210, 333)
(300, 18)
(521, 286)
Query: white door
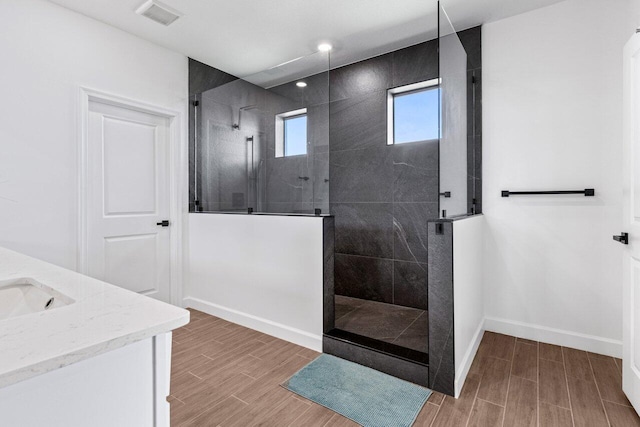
(631, 218)
(128, 199)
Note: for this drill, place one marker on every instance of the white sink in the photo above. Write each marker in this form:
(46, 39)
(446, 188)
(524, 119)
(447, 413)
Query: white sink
(19, 297)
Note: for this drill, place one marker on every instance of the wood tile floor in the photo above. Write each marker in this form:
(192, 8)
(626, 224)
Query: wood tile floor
(227, 375)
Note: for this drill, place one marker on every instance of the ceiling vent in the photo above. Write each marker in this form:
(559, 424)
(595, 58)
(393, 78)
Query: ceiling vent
(159, 12)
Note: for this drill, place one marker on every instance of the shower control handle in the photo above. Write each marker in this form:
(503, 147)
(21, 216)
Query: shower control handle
(163, 223)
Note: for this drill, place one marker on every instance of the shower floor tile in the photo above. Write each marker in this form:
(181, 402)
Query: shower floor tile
(404, 326)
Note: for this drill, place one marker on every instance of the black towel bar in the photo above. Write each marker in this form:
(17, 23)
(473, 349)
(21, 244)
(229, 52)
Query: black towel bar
(588, 192)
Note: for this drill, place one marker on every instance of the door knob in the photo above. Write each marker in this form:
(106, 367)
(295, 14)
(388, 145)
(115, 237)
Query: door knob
(622, 238)
(164, 223)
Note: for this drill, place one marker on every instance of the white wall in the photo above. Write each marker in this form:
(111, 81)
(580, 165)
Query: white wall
(263, 272)
(635, 12)
(552, 120)
(468, 293)
(46, 53)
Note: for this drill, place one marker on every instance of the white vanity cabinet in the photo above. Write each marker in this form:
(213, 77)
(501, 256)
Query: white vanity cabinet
(103, 359)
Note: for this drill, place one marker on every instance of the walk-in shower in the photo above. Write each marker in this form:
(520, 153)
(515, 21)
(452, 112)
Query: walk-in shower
(389, 147)
(392, 187)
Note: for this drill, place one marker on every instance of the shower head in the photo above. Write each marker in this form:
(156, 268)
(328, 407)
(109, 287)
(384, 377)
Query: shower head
(240, 110)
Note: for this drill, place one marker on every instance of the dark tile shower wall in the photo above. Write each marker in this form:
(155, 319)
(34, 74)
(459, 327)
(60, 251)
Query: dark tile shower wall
(441, 280)
(314, 193)
(201, 78)
(277, 185)
(441, 339)
(226, 153)
(382, 196)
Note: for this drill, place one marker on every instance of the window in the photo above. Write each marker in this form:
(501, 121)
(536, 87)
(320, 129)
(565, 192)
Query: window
(413, 113)
(295, 135)
(291, 133)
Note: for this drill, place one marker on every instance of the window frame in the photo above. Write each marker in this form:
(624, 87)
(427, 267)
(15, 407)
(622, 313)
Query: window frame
(433, 84)
(280, 131)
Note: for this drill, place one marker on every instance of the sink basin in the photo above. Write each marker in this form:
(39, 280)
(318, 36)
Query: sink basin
(19, 297)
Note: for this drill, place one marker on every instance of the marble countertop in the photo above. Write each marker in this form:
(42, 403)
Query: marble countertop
(103, 317)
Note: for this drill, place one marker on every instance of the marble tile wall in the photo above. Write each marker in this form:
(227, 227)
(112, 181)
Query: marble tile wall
(234, 174)
(441, 351)
(287, 189)
(201, 78)
(329, 255)
(230, 158)
(382, 196)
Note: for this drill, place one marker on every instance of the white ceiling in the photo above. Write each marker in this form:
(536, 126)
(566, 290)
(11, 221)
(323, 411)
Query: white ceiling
(243, 37)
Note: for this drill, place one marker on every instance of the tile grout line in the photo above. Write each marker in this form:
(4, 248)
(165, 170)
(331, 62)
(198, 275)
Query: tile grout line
(234, 395)
(475, 402)
(566, 380)
(346, 314)
(616, 403)
(405, 329)
(619, 365)
(475, 397)
(538, 384)
(486, 401)
(506, 399)
(327, 423)
(437, 412)
(301, 415)
(384, 259)
(176, 399)
(191, 373)
(202, 411)
(393, 245)
(593, 375)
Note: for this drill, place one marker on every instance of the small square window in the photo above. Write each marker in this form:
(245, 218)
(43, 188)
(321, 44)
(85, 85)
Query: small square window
(413, 113)
(295, 135)
(291, 133)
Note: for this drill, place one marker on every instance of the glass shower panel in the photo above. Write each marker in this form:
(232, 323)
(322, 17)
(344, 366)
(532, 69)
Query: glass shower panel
(453, 119)
(228, 131)
(261, 141)
(384, 148)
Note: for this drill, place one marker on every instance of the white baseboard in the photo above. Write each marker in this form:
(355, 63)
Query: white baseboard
(278, 330)
(561, 337)
(467, 360)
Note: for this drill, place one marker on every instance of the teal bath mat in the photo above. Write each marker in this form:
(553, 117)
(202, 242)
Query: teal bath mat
(368, 397)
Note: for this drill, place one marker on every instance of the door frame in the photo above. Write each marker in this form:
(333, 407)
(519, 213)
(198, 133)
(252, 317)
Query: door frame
(630, 372)
(177, 180)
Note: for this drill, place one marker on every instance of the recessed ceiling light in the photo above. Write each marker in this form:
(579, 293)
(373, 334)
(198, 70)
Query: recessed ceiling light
(301, 84)
(324, 47)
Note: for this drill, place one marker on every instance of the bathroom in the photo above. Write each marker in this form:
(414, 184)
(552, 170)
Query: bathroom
(289, 195)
